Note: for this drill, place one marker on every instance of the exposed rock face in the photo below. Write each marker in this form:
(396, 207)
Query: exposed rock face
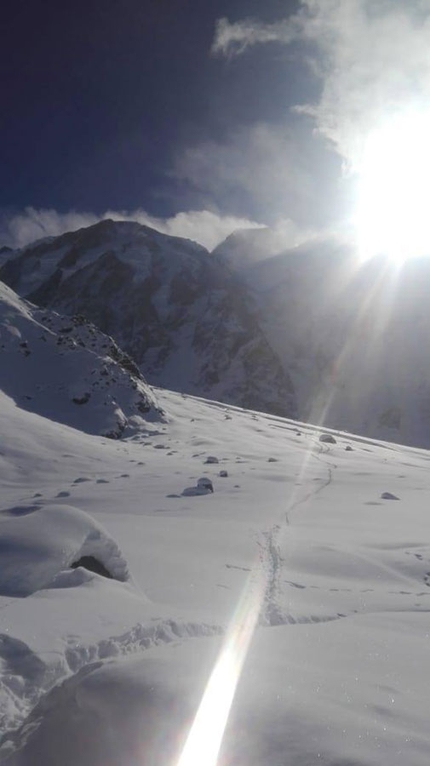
(174, 308)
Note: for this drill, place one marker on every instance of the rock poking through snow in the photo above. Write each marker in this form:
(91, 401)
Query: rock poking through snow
(327, 439)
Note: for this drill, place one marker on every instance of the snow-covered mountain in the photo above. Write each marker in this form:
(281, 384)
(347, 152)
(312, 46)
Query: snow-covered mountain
(247, 246)
(176, 310)
(354, 338)
(67, 370)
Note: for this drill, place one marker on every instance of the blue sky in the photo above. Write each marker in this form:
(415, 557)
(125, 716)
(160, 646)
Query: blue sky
(161, 108)
(100, 98)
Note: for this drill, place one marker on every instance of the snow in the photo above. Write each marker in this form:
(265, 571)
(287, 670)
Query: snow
(67, 370)
(111, 671)
(38, 542)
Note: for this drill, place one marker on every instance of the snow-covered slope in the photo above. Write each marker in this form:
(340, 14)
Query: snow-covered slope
(321, 545)
(67, 370)
(166, 301)
(353, 337)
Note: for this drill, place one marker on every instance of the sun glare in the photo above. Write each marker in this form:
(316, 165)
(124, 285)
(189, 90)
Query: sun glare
(394, 190)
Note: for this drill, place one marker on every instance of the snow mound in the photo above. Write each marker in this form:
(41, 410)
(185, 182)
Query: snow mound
(68, 371)
(38, 543)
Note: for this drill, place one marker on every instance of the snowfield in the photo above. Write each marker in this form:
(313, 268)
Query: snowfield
(297, 556)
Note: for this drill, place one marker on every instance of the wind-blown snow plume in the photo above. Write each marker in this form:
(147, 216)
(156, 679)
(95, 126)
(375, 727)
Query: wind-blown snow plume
(203, 226)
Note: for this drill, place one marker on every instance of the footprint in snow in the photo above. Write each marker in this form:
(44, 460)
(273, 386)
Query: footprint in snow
(389, 496)
(211, 459)
(63, 494)
(102, 481)
(81, 480)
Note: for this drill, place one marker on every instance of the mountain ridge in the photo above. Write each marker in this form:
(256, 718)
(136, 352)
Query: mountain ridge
(171, 305)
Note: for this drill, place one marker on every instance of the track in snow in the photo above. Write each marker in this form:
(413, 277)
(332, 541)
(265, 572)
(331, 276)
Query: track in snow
(271, 559)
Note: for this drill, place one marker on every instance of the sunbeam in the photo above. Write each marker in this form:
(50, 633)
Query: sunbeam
(204, 739)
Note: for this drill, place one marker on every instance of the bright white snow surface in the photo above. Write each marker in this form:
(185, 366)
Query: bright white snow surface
(110, 672)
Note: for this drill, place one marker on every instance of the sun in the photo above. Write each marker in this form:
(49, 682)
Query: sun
(393, 207)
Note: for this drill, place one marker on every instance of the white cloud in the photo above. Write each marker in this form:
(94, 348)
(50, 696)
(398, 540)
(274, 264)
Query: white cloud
(373, 58)
(203, 226)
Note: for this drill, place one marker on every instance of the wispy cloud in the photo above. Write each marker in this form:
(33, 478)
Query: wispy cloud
(275, 170)
(372, 57)
(203, 226)
(234, 39)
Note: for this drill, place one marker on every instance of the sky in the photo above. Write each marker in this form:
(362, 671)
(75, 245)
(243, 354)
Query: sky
(199, 118)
